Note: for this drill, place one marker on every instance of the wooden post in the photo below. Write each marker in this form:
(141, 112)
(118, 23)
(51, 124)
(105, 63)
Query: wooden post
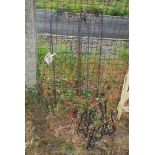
(124, 97)
(30, 44)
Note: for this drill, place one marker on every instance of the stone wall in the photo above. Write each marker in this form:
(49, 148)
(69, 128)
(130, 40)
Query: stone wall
(109, 46)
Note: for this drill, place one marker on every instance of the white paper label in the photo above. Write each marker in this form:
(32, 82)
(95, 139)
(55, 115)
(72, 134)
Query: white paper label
(49, 57)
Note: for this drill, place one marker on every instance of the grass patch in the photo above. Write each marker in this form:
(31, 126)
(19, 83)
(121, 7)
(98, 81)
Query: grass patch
(66, 70)
(52, 128)
(123, 53)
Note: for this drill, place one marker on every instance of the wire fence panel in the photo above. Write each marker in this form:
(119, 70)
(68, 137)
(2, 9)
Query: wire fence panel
(90, 39)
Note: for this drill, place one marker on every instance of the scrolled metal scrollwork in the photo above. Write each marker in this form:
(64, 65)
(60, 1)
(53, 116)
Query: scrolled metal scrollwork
(93, 131)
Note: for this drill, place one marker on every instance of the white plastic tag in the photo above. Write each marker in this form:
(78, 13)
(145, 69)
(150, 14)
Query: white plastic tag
(49, 57)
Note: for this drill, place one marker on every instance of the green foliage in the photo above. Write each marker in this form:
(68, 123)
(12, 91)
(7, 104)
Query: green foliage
(106, 10)
(123, 53)
(117, 8)
(64, 55)
(31, 98)
(86, 93)
(43, 48)
(95, 54)
(70, 93)
(69, 149)
(120, 8)
(80, 106)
